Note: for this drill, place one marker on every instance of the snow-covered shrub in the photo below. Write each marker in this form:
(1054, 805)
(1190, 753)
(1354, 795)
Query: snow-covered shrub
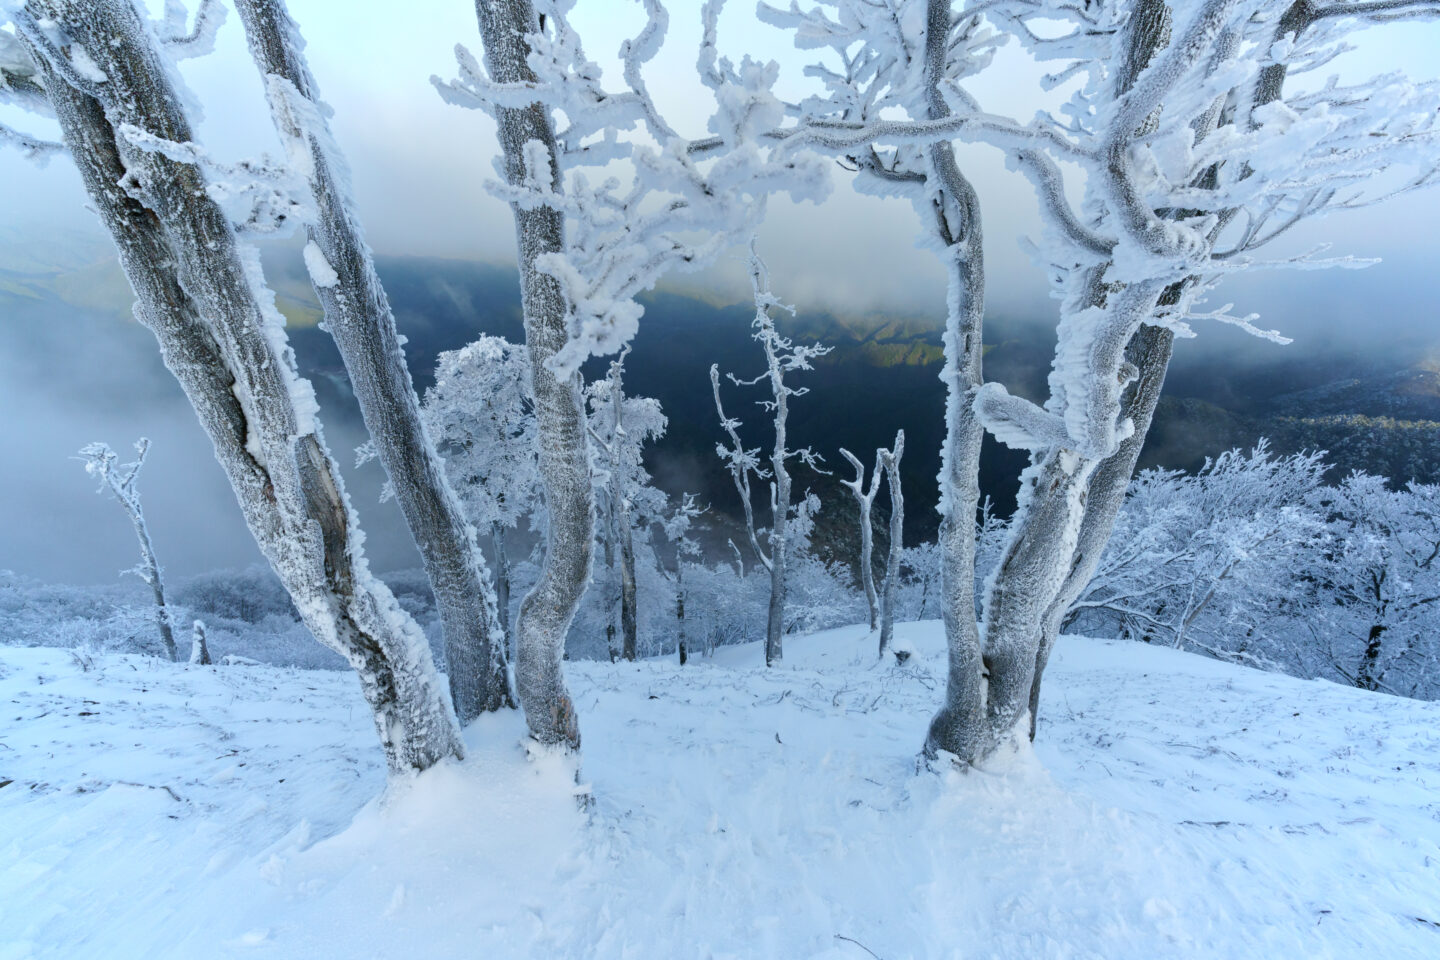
(1377, 624)
(1206, 561)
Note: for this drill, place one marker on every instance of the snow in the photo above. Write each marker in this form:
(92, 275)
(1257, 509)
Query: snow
(321, 272)
(1172, 806)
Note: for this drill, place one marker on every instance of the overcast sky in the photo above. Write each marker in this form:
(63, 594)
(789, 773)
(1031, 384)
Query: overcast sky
(418, 167)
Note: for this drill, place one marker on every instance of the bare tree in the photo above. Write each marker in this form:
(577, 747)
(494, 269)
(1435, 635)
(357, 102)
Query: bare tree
(782, 356)
(120, 481)
(546, 612)
(358, 318)
(620, 426)
(677, 529)
(863, 501)
(1193, 156)
(891, 461)
(618, 505)
(200, 290)
(909, 55)
(579, 296)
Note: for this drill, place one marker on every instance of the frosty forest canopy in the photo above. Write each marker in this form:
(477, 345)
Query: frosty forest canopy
(1182, 143)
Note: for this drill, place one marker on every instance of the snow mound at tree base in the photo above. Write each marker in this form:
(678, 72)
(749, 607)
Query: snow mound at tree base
(1172, 806)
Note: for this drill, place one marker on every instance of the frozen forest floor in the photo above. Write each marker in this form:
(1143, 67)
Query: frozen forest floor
(1172, 807)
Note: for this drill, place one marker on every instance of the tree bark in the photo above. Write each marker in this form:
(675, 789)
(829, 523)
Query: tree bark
(897, 540)
(958, 726)
(502, 578)
(157, 588)
(548, 609)
(779, 525)
(680, 609)
(863, 503)
(1150, 352)
(359, 319)
(199, 291)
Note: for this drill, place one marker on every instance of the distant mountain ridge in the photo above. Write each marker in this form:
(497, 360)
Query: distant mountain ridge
(883, 374)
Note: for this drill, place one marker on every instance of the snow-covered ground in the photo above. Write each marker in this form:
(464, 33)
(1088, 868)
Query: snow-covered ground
(1172, 807)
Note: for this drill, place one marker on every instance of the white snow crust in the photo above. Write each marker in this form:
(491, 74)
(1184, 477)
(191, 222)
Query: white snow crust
(321, 272)
(1173, 806)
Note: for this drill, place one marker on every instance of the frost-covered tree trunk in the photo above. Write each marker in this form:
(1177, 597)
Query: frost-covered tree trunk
(612, 581)
(121, 482)
(863, 501)
(621, 532)
(781, 356)
(916, 53)
(628, 618)
(957, 725)
(891, 462)
(1055, 536)
(199, 649)
(1150, 352)
(779, 551)
(680, 643)
(549, 607)
(358, 317)
(200, 291)
(502, 576)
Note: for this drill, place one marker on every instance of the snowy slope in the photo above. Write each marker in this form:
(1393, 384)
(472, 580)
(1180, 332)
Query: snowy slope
(1173, 807)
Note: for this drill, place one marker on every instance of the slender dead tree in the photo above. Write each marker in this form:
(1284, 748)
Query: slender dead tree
(863, 501)
(890, 459)
(199, 649)
(620, 537)
(359, 319)
(201, 291)
(120, 481)
(782, 356)
(677, 528)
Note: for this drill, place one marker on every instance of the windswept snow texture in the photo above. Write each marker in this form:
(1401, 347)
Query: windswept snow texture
(1173, 807)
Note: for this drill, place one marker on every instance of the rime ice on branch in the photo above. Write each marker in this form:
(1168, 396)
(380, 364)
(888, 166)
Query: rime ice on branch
(586, 251)
(1193, 153)
(782, 356)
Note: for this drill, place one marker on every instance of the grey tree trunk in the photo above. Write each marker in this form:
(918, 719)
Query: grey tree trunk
(621, 532)
(611, 583)
(101, 460)
(157, 587)
(680, 644)
(200, 292)
(502, 577)
(891, 460)
(1069, 502)
(779, 551)
(1043, 543)
(358, 317)
(958, 726)
(1150, 352)
(628, 600)
(863, 501)
(548, 609)
(780, 521)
